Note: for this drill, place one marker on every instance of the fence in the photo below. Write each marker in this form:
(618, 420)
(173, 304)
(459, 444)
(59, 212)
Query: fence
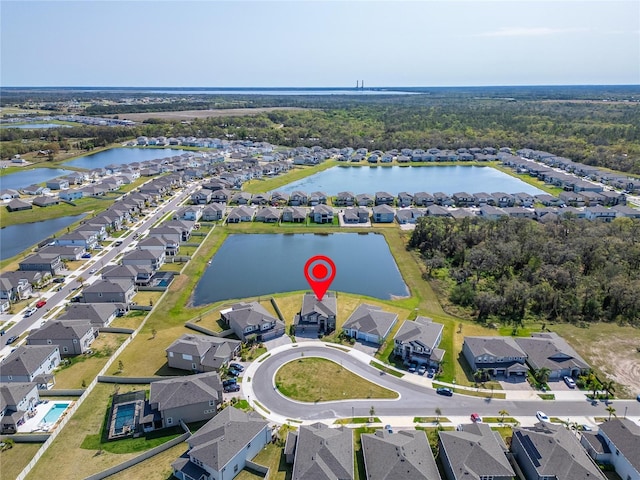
(64, 393)
(277, 309)
(129, 380)
(261, 469)
(128, 331)
(28, 437)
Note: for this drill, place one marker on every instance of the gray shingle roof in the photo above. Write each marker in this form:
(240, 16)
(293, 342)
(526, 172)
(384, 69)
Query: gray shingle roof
(213, 351)
(327, 307)
(558, 452)
(323, 453)
(551, 351)
(61, 330)
(222, 437)
(625, 435)
(421, 331)
(371, 319)
(494, 346)
(475, 451)
(405, 455)
(249, 314)
(26, 359)
(185, 391)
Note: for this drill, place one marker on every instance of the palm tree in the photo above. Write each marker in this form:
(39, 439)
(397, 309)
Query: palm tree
(503, 413)
(438, 413)
(609, 387)
(372, 412)
(612, 411)
(595, 385)
(542, 375)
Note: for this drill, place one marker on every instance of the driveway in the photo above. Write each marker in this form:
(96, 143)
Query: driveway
(277, 342)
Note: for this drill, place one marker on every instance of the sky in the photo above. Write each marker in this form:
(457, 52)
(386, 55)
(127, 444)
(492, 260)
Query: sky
(325, 43)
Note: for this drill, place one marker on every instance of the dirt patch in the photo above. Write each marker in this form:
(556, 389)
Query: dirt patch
(193, 114)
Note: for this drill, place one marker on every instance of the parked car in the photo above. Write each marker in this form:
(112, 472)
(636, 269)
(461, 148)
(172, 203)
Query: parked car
(570, 382)
(236, 366)
(86, 255)
(41, 303)
(388, 428)
(93, 270)
(444, 391)
(585, 428)
(232, 387)
(229, 381)
(12, 339)
(476, 418)
(412, 367)
(118, 243)
(30, 311)
(422, 370)
(431, 372)
(542, 416)
(58, 280)
(233, 372)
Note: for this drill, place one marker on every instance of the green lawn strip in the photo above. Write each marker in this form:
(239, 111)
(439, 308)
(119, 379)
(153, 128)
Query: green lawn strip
(472, 393)
(132, 445)
(264, 358)
(360, 472)
(505, 432)
(272, 456)
(498, 420)
(526, 178)
(547, 396)
(261, 406)
(386, 369)
(431, 420)
(242, 405)
(335, 382)
(14, 459)
(356, 420)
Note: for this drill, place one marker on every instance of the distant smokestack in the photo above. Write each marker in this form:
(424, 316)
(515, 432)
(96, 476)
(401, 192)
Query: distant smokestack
(357, 84)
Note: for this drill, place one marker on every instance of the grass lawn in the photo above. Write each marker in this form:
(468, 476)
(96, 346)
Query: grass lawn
(66, 455)
(336, 383)
(86, 367)
(157, 467)
(357, 451)
(145, 298)
(272, 456)
(296, 173)
(130, 320)
(13, 460)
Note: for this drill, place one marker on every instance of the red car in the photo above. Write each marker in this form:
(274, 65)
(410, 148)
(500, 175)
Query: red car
(476, 418)
(41, 303)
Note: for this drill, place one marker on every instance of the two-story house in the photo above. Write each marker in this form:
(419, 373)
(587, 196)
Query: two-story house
(316, 315)
(201, 353)
(495, 355)
(417, 341)
(252, 322)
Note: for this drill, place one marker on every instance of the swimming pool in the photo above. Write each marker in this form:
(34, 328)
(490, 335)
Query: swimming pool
(125, 418)
(54, 413)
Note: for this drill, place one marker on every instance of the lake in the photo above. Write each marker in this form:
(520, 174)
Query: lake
(395, 179)
(18, 238)
(123, 155)
(250, 265)
(18, 180)
(36, 126)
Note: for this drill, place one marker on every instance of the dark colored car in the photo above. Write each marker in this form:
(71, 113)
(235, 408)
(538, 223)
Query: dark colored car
(10, 340)
(58, 280)
(229, 381)
(118, 243)
(444, 391)
(233, 387)
(237, 366)
(412, 367)
(233, 372)
(86, 255)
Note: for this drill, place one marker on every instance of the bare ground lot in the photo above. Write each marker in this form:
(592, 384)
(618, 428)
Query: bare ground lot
(193, 114)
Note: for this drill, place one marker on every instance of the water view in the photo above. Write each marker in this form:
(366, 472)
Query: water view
(263, 264)
(36, 126)
(395, 179)
(17, 238)
(25, 178)
(124, 155)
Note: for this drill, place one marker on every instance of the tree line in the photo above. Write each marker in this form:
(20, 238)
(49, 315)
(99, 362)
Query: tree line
(510, 270)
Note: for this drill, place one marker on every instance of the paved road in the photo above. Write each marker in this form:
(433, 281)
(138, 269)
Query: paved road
(98, 262)
(415, 399)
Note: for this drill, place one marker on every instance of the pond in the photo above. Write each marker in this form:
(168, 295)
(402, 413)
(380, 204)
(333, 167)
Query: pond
(395, 179)
(18, 180)
(250, 265)
(123, 155)
(17, 238)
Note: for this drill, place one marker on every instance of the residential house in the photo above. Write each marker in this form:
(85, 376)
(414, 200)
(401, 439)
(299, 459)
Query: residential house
(523, 199)
(30, 363)
(109, 291)
(405, 455)
(221, 448)
(144, 257)
(600, 213)
(221, 196)
(201, 353)
(240, 214)
(405, 199)
(268, 215)
(495, 355)
(463, 199)
(298, 199)
(13, 288)
(474, 451)
(383, 213)
(193, 398)
(251, 321)
(616, 443)
(491, 213)
(355, 215)
(51, 263)
(437, 211)
(213, 212)
(323, 452)
(383, 198)
(260, 199)
(552, 451)
(17, 205)
(279, 199)
(7, 194)
(322, 213)
(369, 324)
(185, 227)
(58, 184)
(408, 215)
(501, 199)
(192, 214)
(317, 315)
(417, 341)
(72, 337)
(316, 198)
(442, 199)
(156, 244)
(66, 252)
(84, 239)
(625, 211)
(98, 314)
(294, 214)
(345, 199)
(365, 200)
(45, 201)
(549, 350)
(519, 212)
(16, 401)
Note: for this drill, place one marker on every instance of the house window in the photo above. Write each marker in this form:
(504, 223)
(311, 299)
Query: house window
(170, 421)
(75, 340)
(48, 342)
(171, 354)
(235, 469)
(248, 445)
(65, 349)
(212, 403)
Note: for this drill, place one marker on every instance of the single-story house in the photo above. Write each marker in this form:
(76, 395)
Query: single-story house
(369, 324)
(495, 355)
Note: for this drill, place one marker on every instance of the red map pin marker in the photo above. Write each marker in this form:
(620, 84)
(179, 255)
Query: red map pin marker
(319, 272)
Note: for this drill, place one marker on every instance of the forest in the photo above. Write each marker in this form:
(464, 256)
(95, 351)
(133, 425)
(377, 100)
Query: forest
(512, 270)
